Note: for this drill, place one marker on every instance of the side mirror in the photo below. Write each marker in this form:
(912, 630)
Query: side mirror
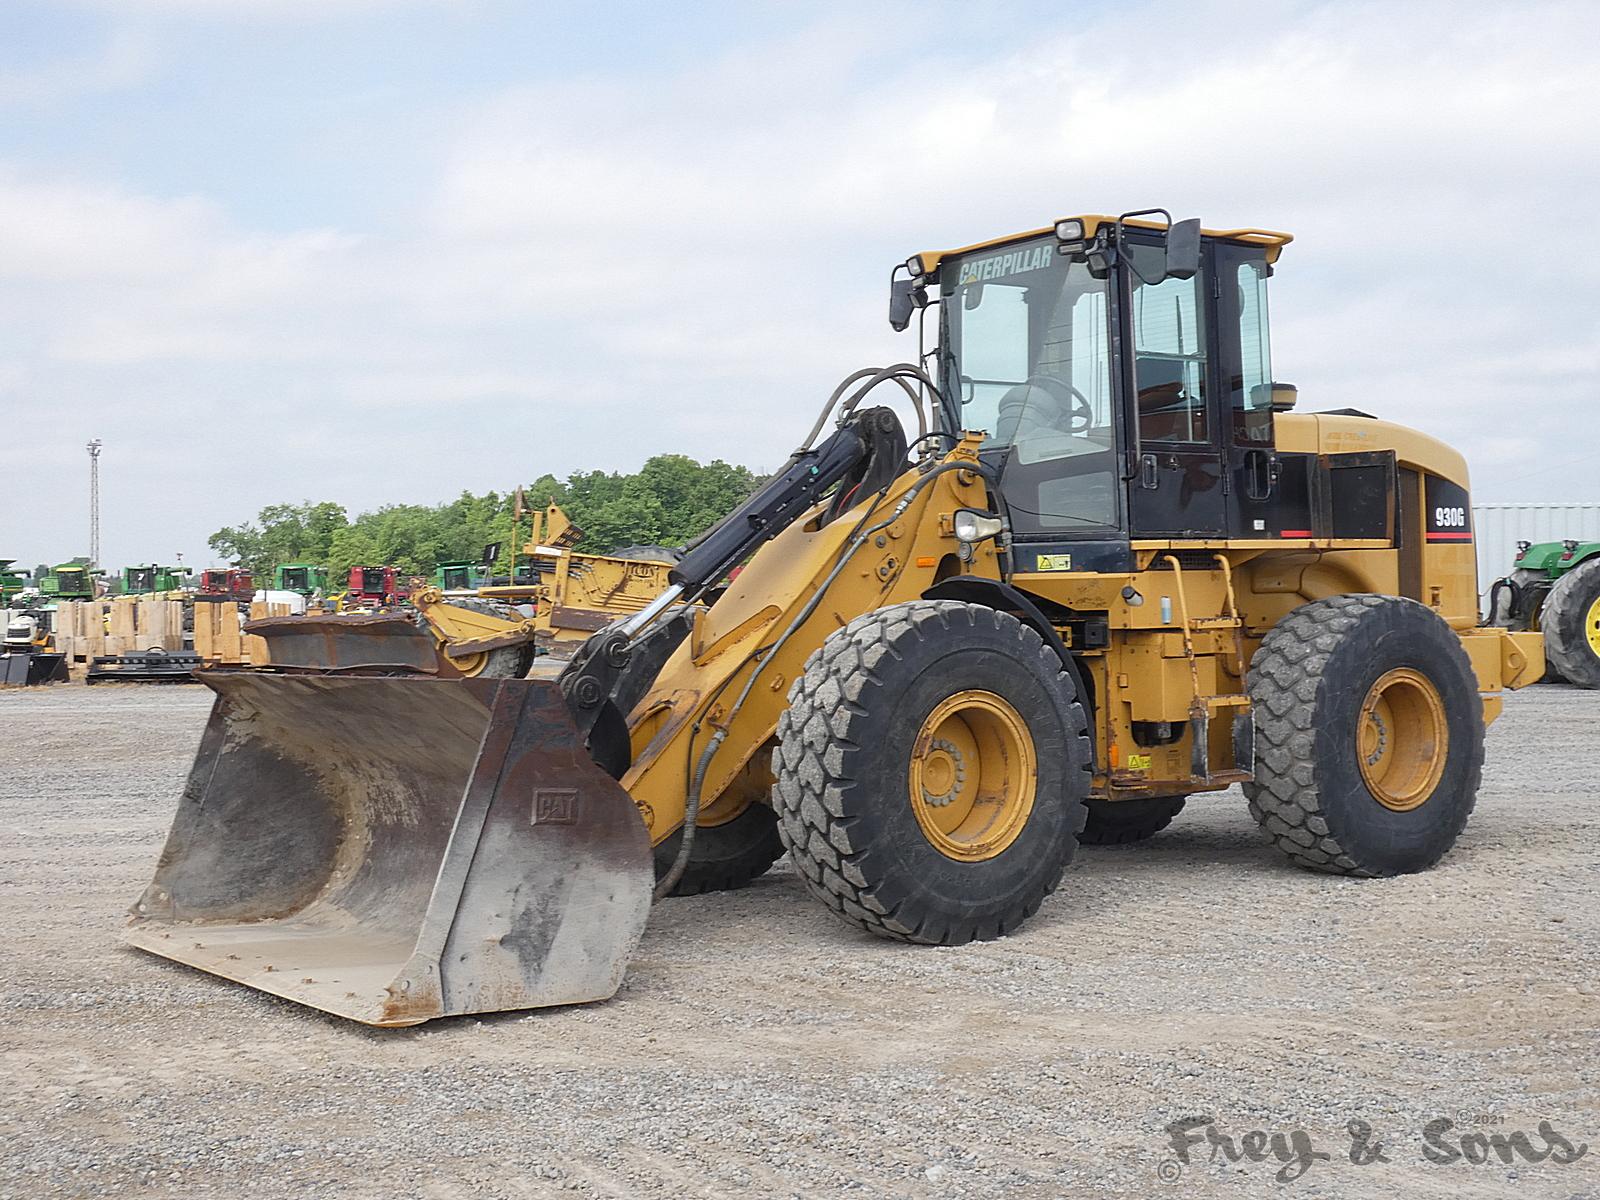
(902, 303)
(1183, 249)
(1181, 257)
(491, 554)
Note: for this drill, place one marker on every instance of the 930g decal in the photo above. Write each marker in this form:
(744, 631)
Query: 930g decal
(1449, 511)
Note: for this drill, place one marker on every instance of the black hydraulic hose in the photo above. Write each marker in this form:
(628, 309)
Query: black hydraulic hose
(776, 504)
(874, 375)
(695, 781)
(691, 807)
(1514, 610)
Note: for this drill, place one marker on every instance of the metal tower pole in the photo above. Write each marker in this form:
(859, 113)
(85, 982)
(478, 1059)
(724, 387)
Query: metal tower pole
(94, 502)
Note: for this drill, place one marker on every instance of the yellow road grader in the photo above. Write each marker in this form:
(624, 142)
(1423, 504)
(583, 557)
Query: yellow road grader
(1112, 567)
(490, 632)
(573, 596)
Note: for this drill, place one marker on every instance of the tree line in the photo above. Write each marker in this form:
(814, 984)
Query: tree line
(669, 500)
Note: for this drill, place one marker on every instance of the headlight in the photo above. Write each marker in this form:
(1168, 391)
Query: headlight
(1523, 547)
(914, 265)
(970, 525)
(1069, 231)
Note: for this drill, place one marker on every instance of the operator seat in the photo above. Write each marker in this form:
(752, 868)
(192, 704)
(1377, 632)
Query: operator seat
(1162, 400)
(1027, 410)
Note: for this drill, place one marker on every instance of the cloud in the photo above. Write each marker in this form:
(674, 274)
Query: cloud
(258, 10)
(611, 264)
(126, 59)
(1423, 154)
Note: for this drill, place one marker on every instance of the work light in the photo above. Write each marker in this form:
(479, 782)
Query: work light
(973, 526)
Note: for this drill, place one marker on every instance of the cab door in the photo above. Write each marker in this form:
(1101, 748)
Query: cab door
(1264, 500)
(1178, 484)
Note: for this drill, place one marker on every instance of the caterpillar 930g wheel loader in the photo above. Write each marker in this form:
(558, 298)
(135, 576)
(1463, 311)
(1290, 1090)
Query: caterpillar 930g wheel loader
(1113, 568)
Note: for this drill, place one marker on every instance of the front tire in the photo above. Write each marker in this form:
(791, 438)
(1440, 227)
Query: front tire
(724, 857)
(1369, 736)
(1571, 625)
(931, 772)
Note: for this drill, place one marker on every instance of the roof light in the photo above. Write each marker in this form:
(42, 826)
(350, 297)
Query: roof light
(914, 265)
(1070, 230)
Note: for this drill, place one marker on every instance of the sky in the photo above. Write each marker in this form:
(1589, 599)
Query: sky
(381, 251)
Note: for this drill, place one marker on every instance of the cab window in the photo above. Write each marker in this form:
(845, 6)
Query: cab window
(1169, 353)
(1026, 351)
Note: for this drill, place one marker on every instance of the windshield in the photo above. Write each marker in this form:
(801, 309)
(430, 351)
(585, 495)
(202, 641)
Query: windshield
(1026, 355)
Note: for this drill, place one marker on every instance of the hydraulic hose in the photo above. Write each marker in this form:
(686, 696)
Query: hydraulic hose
(691, 806)
(876, 375)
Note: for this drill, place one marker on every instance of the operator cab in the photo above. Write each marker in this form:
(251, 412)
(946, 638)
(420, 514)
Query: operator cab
(1121, 368)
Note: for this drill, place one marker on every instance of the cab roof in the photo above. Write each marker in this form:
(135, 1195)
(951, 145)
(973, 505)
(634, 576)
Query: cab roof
(1271, 239)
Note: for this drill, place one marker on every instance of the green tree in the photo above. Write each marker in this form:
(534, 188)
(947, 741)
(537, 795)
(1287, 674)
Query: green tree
(671, 499)
(282, 533)
(666, 502)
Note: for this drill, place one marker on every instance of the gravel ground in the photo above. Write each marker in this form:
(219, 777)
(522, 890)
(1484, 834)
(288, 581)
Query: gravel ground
(761, 1047)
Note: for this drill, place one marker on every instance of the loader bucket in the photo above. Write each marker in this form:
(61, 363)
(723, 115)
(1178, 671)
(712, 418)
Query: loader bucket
(397, 849)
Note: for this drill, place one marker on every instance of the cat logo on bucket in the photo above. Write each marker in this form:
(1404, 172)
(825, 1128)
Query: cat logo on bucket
(555, 806)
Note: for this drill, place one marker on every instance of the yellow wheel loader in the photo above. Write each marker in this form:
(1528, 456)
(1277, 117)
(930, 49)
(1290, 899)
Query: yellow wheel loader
(1112, 568)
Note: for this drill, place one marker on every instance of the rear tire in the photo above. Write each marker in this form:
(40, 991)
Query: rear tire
(1117, 822)
(1571, 625)
(931, 772)
(1369, 736)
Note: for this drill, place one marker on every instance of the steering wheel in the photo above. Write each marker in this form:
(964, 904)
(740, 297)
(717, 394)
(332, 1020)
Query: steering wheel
(1080, 413)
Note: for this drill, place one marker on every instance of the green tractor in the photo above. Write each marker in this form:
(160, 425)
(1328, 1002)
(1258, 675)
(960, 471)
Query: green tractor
(70, 581)
(460, 576)
(1555, 587)
(305, 578)
(143, 581)
(11, 582)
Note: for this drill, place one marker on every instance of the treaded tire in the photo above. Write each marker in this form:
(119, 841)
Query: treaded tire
(1117, 822)
(724, 857)
(1564, 624)
(844, 748)
(1503, 614)
(1307, 684)
(508, 662)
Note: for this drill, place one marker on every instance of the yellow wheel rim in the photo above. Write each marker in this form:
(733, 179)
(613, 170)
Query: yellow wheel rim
(973, 776)
(470, 665)
(1402, 739)
(1591, 627)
